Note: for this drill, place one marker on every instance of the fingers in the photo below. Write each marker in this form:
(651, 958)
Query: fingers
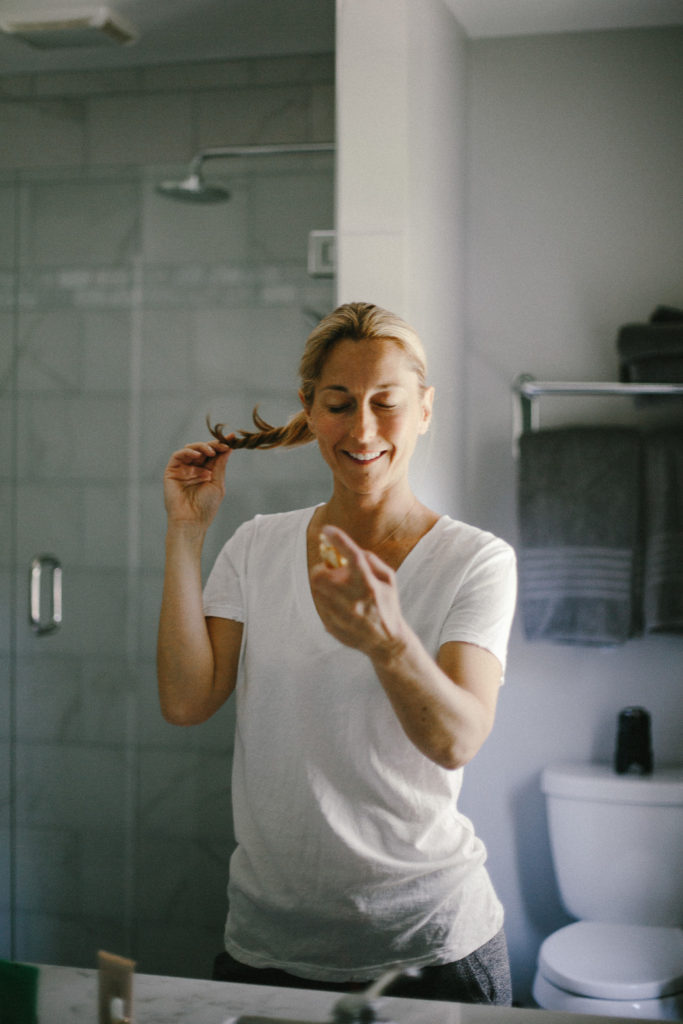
(198, 461)
(358, 600)
(380, 569)
(194, 482)
(200, 452)
(347, 551)
(341, 565)
(365, 562)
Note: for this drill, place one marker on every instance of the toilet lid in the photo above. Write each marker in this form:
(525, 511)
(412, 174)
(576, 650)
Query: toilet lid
(614, 961)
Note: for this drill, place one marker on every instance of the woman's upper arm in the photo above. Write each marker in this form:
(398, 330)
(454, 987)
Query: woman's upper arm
(226, 643)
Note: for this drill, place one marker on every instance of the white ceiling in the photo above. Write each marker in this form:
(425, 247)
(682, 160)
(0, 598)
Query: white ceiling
(482, 18)
(172, 31)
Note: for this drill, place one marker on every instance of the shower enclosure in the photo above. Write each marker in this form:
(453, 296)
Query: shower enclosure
(125, 319)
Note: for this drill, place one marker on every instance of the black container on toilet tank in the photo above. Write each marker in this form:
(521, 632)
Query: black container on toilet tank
(634, 744)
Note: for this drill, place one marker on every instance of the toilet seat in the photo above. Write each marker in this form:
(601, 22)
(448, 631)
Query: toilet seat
(614, 961)
(549, 997)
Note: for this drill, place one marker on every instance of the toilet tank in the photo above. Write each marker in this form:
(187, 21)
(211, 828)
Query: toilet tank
(617, 842)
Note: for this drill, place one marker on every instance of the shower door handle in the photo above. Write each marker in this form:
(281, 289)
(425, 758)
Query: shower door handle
(45, 596)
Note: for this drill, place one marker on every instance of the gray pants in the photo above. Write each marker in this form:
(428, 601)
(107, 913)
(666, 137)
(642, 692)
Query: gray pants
(481, 977)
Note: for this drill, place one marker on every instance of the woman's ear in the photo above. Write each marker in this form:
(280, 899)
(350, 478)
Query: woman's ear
(427, 403)
(307, 410)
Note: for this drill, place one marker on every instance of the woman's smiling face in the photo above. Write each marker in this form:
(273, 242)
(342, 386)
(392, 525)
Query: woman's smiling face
(367, 413)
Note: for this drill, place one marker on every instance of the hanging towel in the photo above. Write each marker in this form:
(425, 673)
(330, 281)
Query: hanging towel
(663, 589)
(579, 499)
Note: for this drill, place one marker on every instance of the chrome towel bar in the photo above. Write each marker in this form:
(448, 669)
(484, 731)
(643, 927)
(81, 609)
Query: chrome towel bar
(528, 389)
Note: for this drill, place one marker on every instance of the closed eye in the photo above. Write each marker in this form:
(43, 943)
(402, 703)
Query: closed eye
(347, 405)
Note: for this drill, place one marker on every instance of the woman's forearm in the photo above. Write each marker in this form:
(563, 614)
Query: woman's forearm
(446, 722)
(185, 661)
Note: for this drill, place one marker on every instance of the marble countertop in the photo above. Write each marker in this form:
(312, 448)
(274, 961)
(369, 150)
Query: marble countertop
(68, 995)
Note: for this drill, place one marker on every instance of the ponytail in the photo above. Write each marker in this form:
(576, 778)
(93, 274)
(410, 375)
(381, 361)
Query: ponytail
(295, 432)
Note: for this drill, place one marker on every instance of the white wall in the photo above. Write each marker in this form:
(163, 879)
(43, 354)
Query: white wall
(400, 189)
(575, 227)
(572, 226)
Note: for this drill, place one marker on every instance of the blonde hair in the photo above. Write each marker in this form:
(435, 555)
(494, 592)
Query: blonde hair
(354, 321)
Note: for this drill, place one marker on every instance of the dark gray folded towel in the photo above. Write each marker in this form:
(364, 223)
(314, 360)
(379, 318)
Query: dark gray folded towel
(663, 586)
(651, 353)
(579, 499)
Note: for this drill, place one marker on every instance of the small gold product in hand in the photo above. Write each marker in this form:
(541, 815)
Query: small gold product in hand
(330, 555)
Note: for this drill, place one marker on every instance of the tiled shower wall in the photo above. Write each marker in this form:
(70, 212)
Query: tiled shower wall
(125, 318)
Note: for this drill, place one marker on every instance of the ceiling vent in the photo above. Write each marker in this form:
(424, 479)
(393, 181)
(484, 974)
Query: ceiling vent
(61, 30)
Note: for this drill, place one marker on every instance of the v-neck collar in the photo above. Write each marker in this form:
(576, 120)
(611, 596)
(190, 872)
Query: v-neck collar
(300, 562)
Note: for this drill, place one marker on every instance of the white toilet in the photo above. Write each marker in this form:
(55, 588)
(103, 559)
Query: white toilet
(617, 847)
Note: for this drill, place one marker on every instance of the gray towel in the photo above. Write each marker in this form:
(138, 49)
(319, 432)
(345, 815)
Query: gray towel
(651, 352)
(663, 597)
(579, 500)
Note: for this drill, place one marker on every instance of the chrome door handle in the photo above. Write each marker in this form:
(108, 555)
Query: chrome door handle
(45, 589)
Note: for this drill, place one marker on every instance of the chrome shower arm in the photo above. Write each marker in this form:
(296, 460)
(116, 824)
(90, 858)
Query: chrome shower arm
(194, 188)
(274, 149)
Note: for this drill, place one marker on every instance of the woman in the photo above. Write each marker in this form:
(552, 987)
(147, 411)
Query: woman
(364, 684)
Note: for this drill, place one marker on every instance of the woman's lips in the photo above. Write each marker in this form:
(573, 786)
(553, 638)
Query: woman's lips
(363, 458)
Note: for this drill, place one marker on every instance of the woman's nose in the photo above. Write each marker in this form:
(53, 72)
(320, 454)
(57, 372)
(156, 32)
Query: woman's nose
(363, 427)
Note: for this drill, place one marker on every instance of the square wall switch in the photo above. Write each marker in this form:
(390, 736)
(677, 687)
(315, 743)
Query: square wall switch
(321, 253)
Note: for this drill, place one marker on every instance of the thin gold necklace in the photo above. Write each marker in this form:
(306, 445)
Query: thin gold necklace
(329, 554)
(398, 527)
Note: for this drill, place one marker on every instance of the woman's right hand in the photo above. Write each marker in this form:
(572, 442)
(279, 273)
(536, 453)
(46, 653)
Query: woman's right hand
(194, 482)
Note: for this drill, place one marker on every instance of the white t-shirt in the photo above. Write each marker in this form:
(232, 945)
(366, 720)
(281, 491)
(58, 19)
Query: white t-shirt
(352, 856)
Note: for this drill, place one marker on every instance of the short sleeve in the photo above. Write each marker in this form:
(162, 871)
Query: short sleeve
(224, 595)
(484, 605)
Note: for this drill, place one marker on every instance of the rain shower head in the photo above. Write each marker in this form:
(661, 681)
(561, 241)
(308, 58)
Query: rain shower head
(193, 189)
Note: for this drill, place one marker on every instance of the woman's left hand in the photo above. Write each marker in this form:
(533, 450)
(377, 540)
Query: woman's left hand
(358, 602)
(445, 706)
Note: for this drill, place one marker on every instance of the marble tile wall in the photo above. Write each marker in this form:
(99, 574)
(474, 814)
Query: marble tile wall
(125, 319)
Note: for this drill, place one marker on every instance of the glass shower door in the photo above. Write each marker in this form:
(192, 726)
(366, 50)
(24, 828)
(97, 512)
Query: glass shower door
(72, 661)
(124, 319)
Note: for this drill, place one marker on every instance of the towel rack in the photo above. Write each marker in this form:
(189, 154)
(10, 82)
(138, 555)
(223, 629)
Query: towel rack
(528, 389)
(526, 415)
